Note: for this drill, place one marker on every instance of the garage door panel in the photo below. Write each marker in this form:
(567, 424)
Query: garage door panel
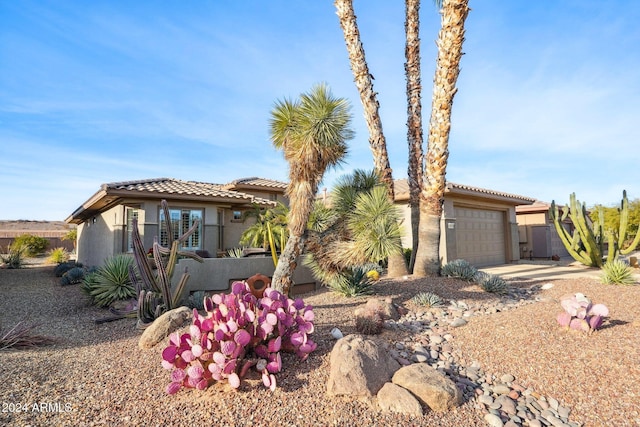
(480, 236)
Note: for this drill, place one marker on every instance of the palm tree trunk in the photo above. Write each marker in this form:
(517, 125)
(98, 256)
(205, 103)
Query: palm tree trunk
(414, 118)
(450, 39)
(364, 82)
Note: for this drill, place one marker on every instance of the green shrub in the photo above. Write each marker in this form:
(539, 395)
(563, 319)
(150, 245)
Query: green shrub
(58, 256)
(110, 282)
(407, 255)
(427, 299)
(32, 245)
(460, 268)
(355, 281)
(14, 258)
(492, 283)
(618, 273)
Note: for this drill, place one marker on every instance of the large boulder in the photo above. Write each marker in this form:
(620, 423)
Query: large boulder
(429, 385)
(393, 398)
(359, 367)
(164, 325)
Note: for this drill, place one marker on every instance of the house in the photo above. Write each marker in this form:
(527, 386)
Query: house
(538, 235)
(105, 220)
(477, 224)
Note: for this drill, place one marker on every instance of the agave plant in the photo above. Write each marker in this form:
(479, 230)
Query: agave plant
(239, 332)
(491, 283)
(73, 276)
(459, 268)
(428, 299)
(580, 314)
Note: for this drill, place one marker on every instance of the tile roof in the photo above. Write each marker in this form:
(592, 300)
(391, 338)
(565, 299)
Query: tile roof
(110, 193)
(256, 182)
(401, 187)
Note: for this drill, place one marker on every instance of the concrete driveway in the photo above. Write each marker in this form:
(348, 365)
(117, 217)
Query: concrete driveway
(547, 270)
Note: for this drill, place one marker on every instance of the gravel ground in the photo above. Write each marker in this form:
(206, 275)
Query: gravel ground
(96, 375)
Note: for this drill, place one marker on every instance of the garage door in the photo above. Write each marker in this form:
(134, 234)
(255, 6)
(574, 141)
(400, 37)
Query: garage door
(480, 236)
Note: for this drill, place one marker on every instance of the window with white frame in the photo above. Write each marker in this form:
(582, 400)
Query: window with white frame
(181, 221)
(131, 214)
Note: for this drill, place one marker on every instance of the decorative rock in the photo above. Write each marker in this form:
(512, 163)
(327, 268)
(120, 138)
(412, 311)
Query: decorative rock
(493, 420)
(386, 308)
(485, 399)
(508, 405)
(164, 325)
(429, 386)
(393, 398)
(501, 389)
(336, 333)
(359, 367)
(457, 322)
(507, 378)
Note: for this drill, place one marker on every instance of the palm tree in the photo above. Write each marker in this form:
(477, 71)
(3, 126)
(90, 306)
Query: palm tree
(272, 220)
(364, 83)
(312, 133)
(414, 117)
(450, 39)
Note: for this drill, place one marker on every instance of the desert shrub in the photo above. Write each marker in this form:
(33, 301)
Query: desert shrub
(427, 299)
(461, 269)
(110, 282)
(58, 256)
(14, 258)
(492, 283)
(355, 281)
(22, 336)
(73, 276)
(32, 245)
(617, 272)
(238, 332)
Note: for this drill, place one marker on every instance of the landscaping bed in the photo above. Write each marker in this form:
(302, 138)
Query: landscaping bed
(96, 374)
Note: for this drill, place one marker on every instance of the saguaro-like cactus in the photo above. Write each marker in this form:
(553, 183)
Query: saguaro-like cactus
(155, 295)
(586, 243)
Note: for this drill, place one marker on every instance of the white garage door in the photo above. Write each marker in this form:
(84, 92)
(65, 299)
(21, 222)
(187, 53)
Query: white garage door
(480, 236)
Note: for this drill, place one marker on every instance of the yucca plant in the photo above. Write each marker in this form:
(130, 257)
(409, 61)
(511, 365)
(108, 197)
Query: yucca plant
(235, 252)
(461, 269)
(617, 272)
(58, 256)
(492, 283)
(111, 281)
(427, 299)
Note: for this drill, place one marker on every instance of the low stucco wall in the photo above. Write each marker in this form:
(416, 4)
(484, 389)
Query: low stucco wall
(217, 274)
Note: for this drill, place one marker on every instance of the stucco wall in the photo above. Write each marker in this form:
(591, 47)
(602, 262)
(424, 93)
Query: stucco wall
(217, 274)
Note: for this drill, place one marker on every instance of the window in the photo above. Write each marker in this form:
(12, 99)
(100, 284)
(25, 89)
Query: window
(181, 221)
(131, 213)
(237, 215)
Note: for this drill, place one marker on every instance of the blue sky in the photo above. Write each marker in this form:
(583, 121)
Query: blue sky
(105, 91)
